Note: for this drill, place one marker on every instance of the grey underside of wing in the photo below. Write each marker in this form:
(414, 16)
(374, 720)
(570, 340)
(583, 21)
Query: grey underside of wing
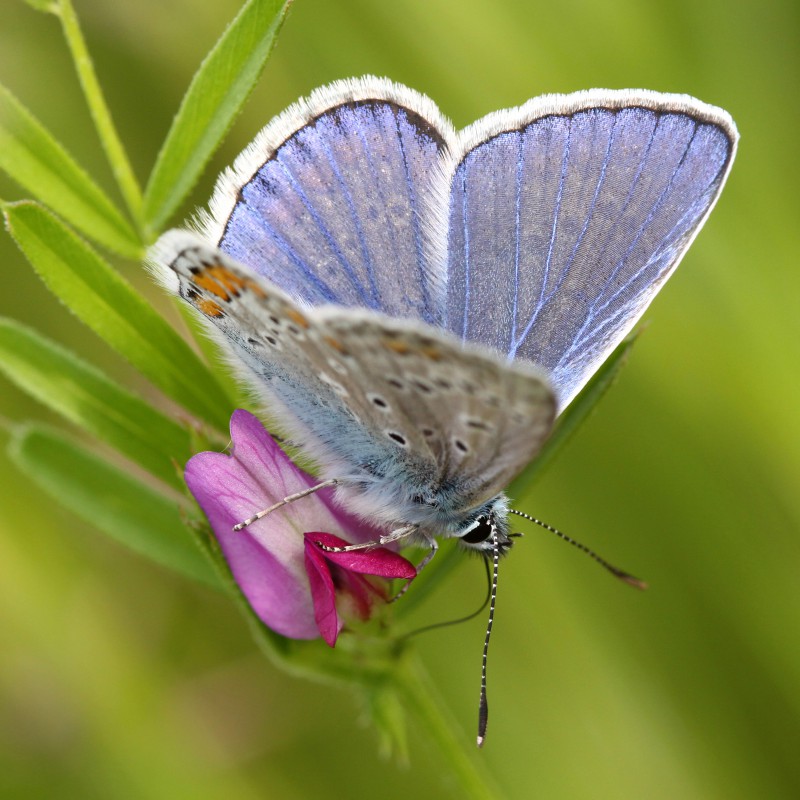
(479, 419)
(561, 232)
(449, 431)
(324, 411)
(334, 214)
(403, 411)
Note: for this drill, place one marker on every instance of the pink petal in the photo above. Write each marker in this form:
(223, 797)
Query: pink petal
(267, 558)
(360, 594)
(323, 593)
(378, 561)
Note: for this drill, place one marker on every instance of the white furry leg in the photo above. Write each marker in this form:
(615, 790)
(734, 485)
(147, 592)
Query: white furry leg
(286, 500)
(393, 536)
(434, 545)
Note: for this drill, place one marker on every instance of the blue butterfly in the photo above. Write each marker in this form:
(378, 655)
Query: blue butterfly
(416, 304)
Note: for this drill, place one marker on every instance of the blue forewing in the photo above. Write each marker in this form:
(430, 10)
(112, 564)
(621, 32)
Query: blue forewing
(542, 231)
(567, 215)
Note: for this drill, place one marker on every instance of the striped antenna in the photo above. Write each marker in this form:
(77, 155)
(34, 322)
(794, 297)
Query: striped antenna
(483, 706)
(615, 571)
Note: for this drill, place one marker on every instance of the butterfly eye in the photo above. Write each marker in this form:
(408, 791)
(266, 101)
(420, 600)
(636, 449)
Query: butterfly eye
(480, 531)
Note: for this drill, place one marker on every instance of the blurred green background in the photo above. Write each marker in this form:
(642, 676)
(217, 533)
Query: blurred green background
(120, 680)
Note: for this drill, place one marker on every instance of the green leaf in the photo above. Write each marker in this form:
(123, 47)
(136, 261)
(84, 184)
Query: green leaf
(215, 96)
(111, 307)
(48, 6)
(574, 415)
(84, 396)
(101, 115)
(114, 502)
(34, 159)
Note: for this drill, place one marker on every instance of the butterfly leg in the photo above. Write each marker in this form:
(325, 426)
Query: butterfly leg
(434, 546)
(392, 536)
(286, 500)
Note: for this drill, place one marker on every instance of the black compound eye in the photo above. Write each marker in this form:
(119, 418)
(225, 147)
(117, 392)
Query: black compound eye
(480, 533)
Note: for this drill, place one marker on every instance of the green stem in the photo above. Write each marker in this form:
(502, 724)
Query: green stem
(115, 152)
(421, 695)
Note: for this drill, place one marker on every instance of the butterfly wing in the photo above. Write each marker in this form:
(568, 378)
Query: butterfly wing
(568, 214)
(328, 201)
(419, 427)
(480, 419)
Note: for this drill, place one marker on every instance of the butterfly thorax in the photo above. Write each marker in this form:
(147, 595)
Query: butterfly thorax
(444, 512)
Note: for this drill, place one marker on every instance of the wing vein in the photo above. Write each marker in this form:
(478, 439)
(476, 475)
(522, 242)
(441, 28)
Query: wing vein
(426, 313)
(354, 215)
(553, 231)
(593, 308)
(517, 202)
(325, 232)
(465, 224)
(573, 254)
(324, 289)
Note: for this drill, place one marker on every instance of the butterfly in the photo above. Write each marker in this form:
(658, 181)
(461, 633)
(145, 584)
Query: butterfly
(416, 304)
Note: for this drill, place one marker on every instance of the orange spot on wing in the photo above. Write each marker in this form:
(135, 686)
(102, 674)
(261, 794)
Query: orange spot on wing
(431, 352)
(335, 344)
(224, 282)
(401, 348)
(297, 317)
(255, 289)
(207, 280)
(209, 307)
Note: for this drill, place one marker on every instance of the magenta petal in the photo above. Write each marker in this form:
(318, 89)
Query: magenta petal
(267, 559)
(323, 593)
(361, 593)
(378, 561)
(291, 583)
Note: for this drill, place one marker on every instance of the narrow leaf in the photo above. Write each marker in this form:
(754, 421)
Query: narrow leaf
(115, 503)
(574, 415)
(47, 6)
(84, 396)
(215, 96)
(33, 158)
(101, 116)
(111, 307)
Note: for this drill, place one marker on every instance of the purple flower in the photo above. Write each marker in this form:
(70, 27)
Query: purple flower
(343, 573)
(295, 586)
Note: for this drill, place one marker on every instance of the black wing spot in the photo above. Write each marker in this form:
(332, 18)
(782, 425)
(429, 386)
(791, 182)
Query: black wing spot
(378, 401)
(422, 386)
(477, 424)
(396, 437)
